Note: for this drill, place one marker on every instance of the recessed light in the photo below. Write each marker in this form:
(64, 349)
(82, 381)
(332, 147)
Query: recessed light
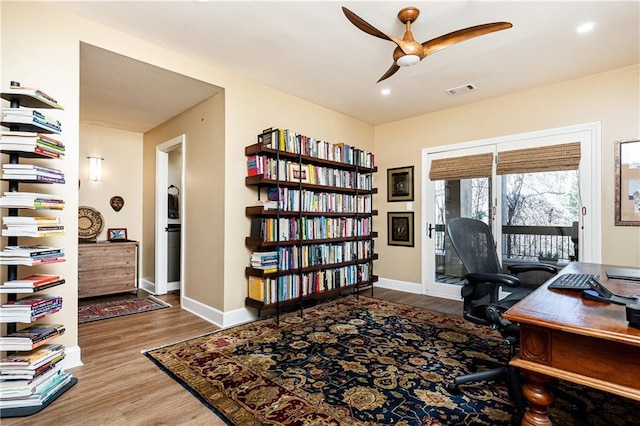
(585, 28)
(385, 91)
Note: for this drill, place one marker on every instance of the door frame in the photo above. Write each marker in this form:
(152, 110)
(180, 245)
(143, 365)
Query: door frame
(161, 238)
(589, 136)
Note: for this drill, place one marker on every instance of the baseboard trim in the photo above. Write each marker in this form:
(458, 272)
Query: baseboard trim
(407, 287)
(72, 357)
(217, 317)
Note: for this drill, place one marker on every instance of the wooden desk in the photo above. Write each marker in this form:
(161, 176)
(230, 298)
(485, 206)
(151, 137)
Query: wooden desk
(582, 341)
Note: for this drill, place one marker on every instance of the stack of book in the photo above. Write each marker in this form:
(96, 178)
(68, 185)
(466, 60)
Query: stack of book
(31, 200)
(31, 337)
(265, 260)
(29, 172)
(23, 226)
(31, 119)
(256, 165)
(31, 255)
(30, 308)
(31, 142)
(31, 284)
(31, 378)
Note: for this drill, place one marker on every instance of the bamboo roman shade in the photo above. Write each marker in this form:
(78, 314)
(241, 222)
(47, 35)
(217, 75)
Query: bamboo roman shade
(541, 159)
(467, 167)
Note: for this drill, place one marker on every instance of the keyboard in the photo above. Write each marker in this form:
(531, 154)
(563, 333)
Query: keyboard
(574, 281)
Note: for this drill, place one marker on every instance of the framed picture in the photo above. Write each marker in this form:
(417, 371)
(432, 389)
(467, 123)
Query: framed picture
(298, 173)
(115, 234)
(400, 229)
(627, 193)
(400, 184)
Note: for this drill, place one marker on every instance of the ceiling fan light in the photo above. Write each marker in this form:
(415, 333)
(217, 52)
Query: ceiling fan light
(408, 60)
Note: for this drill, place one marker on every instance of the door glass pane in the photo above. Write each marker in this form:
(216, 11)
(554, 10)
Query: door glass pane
(457, 198)
(540, 214)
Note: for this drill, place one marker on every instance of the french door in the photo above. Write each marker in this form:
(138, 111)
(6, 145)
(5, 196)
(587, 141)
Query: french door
(462, 181)
(449, 197)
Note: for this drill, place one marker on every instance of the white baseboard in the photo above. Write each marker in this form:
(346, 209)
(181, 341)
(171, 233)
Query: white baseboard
(217, 317)
(414, 288)
(407, 287)
(146, 285)
(72, 358)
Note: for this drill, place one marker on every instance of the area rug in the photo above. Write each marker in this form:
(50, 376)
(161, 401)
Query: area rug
(119, 308)
(357, 361)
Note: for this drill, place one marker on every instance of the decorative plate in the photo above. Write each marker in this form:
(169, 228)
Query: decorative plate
(90, 223)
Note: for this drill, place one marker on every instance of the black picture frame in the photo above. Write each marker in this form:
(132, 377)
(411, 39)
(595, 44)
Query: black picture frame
(400, 184)
(400, 229)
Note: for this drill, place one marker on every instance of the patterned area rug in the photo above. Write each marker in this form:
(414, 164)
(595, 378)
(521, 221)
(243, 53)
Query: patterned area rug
(357, 362)
(119, 308)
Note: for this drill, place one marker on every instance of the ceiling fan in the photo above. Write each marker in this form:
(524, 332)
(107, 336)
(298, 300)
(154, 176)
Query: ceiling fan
(408, 51)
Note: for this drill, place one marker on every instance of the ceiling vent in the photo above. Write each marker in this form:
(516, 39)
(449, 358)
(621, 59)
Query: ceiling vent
(465, 88)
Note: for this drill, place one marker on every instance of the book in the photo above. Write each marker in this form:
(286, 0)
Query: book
(27, 387)
(33, 280)
(34, 178)
(7, 289)
(31, 337)
(32, 262)
(33, 233)
(24, 93)
(31, 119)
(30, 309)
(31, 200)
(31, 360)
(40, 397)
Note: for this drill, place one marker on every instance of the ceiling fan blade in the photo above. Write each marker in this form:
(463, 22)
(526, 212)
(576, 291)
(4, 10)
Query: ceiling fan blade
(438, 43)
(391, 71)
(364, 25)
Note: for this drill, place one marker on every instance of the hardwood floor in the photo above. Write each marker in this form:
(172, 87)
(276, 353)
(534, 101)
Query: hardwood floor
(117, 385)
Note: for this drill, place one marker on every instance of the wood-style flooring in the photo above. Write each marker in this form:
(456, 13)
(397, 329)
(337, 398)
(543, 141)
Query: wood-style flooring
(117, 385)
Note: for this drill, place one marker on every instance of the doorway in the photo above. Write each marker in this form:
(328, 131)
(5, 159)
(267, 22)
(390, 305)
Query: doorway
(170, 223)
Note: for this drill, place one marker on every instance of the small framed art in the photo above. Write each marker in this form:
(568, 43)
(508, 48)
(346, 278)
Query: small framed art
(400, 229)
(117, 234)
(627, 192)
(298, 172)
(400, 184)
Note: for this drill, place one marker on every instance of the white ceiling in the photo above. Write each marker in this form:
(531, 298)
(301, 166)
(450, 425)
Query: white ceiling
(310, 50)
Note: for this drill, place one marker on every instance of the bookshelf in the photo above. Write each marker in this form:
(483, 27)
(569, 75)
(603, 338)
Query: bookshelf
(27, 133)
(311, 229)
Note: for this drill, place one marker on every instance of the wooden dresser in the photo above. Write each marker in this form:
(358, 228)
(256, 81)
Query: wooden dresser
(107, 268)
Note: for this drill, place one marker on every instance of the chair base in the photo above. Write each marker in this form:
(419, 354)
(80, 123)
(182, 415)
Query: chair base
(499, 372)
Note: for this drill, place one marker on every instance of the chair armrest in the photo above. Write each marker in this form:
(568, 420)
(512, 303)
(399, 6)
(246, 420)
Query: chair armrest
(499, 279)
(526, 267)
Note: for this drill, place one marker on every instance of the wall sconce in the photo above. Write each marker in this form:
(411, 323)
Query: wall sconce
(95, 168)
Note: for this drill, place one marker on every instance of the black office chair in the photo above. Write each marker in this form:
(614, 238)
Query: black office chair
(473, 242)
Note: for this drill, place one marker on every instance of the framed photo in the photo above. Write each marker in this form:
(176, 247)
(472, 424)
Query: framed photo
(627, 193)
(400, 229)
(116, 234)
(298, 173)
(400, 184)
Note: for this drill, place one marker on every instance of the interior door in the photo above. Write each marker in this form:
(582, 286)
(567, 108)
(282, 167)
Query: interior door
(449, 198)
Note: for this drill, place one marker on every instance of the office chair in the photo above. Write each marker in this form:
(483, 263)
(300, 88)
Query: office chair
(473, 242)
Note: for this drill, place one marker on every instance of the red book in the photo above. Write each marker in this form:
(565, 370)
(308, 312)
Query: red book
(34, 280)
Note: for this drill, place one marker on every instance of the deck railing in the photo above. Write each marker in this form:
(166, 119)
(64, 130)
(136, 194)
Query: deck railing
(549, 243)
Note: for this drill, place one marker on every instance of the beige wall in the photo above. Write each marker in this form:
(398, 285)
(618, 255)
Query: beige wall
(216, 171)
(248, 108)
(121, 175)
(613, 98)
(202, 197)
